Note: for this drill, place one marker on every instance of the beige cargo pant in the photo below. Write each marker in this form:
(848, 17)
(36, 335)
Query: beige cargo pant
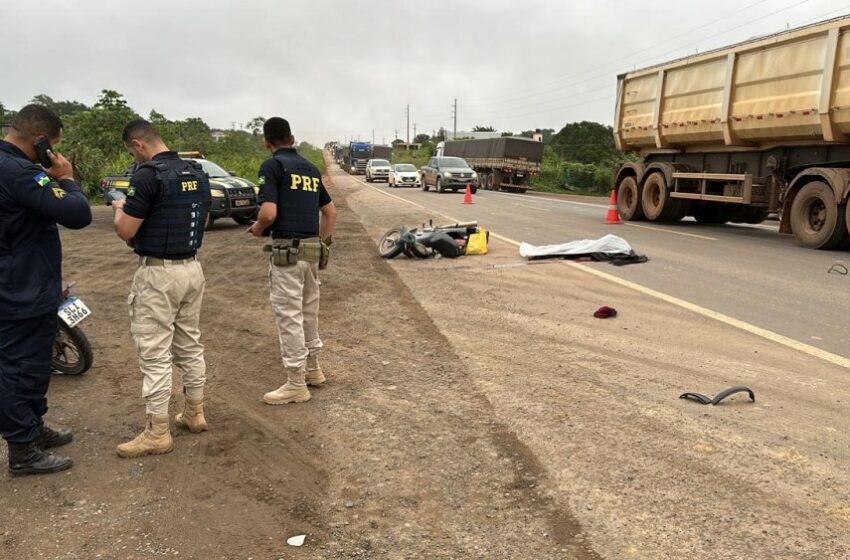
(295, 301)
(165, 309)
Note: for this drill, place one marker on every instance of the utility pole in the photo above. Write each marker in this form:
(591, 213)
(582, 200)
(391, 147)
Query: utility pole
(373, 136)
(396, 134)
(408, 123)
(454, 115)
(414, 132)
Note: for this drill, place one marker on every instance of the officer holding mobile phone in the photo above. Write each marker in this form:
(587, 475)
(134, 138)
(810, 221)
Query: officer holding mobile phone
(33, 200)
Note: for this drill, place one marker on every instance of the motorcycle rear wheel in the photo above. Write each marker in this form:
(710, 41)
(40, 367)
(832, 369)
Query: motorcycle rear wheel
(72, 353)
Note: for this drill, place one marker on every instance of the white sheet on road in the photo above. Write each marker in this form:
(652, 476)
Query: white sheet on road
(610, 244)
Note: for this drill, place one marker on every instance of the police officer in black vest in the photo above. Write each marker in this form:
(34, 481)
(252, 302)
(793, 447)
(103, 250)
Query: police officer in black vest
(292, 199)
(163, 217)
(33, 200)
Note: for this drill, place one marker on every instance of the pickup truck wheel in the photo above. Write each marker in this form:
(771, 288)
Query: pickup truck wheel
(424, 184)
(628, 199)
(439, 186)
(242, 220)
(817, 221)
(210, 221)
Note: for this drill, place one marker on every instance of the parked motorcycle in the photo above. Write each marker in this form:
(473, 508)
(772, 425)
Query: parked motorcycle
(448, 241)
(72, 353)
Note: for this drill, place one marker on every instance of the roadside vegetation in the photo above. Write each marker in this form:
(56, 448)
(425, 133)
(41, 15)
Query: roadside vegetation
(92, 139)
(579, 159)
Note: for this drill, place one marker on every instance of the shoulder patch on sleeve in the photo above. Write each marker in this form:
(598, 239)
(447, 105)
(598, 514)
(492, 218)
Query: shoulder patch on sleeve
(42, 179)
(262, 180)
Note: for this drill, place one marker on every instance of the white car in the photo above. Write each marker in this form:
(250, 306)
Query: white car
(404, 175)
(377, 170)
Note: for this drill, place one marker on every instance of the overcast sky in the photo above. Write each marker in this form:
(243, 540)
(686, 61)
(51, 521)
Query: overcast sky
(338, 69)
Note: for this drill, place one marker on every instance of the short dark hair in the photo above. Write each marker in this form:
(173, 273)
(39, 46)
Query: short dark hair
(37, 120)
(276, 131)
(140, 129)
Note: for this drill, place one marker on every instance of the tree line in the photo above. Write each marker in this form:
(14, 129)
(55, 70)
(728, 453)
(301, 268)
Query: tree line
(92, 138)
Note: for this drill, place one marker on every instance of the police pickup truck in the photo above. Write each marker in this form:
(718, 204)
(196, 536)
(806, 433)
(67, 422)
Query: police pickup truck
(232, 197)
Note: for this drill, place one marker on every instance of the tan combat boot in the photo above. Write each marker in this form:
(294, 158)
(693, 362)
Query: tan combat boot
(293, 391)
(155, 440)
(192, 417)
(314, 376)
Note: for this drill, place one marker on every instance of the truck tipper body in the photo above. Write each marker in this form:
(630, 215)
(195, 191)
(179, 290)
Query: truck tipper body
(732, 134)
(506, 163)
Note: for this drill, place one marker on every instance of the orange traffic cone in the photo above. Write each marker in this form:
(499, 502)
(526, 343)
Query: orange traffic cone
(613, 216)
(467, 198)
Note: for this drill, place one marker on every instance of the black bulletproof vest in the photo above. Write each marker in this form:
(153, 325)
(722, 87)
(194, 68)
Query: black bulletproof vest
(297, 198)
(175, 228)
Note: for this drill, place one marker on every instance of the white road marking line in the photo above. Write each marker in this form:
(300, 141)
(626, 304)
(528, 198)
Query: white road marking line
(664, 230)
(782, 340)
(834, 359)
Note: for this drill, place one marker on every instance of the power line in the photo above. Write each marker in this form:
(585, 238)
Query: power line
(600, 72)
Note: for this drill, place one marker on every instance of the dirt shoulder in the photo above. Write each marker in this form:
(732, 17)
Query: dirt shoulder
(595, 403)
(400, 455)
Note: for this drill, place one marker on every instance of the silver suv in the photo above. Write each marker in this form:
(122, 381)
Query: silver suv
(378, 170)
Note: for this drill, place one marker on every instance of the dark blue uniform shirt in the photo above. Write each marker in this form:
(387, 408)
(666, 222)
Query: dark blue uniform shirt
(295, 185)
(30, 251)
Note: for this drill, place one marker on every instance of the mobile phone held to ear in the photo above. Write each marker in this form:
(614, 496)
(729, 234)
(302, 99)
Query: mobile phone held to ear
(41, 149)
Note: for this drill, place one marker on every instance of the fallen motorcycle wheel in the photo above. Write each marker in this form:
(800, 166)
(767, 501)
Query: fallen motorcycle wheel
(72, 354)
(390, 245)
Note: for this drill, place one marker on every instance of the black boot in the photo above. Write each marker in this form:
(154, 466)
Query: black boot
(49, 438)
(29, 458)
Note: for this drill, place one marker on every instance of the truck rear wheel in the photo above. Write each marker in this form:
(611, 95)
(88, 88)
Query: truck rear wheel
(628, 199)
(655, 200)
(817, 221)
(496, 180)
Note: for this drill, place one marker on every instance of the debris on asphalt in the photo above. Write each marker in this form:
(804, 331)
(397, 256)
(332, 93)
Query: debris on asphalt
(610, 248)
(297, 540)
(605, 312)
(702, 399)
(838, 268)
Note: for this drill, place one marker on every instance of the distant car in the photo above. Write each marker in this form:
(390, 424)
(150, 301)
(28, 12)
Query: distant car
(377, 170)
(232, 197)
(404, 175)
(448, 174)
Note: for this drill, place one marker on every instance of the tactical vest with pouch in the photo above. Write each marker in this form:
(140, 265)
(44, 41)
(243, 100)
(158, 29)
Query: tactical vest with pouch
(175, 228)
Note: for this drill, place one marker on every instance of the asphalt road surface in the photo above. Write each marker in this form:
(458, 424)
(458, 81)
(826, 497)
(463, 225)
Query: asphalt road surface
(751, 273)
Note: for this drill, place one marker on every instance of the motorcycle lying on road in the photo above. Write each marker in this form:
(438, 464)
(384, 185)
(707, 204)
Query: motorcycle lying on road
(72, 353)
(448, 241)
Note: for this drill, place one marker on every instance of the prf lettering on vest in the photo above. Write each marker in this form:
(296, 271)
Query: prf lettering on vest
(305, 182)
(189, 186)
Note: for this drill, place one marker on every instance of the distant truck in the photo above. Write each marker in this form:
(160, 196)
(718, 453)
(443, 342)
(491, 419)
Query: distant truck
(733, 134)
(506, 163)
(382, 152)
(356, 157)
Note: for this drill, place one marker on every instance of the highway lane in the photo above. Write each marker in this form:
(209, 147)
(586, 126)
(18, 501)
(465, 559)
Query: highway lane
(751, 273)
